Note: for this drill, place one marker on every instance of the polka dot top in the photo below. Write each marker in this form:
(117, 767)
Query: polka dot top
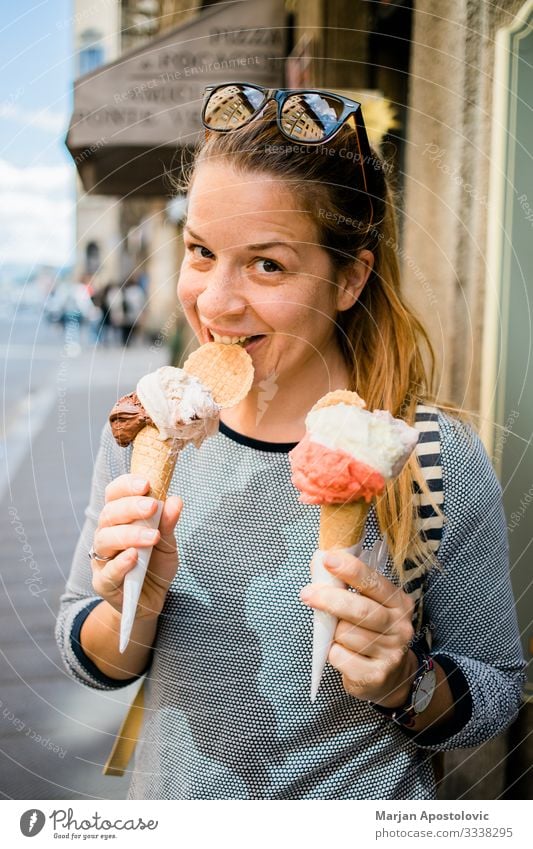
(227, 707)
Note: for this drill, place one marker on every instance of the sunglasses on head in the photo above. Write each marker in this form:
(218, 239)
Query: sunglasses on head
(303, 115)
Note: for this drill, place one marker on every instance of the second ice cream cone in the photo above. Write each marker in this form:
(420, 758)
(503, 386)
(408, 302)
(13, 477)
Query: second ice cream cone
(343, 463)
(342, 525)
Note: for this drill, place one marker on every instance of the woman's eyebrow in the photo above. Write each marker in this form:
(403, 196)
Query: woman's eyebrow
(257, 246)
(191, 233)
(261, 246)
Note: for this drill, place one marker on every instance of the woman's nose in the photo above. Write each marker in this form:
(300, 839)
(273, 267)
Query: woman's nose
(221, 295)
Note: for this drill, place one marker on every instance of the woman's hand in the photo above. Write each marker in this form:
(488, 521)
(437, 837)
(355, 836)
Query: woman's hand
(374, 631)
(126, 501)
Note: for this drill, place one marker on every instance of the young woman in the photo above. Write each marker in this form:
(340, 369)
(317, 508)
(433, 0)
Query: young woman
(290, 242)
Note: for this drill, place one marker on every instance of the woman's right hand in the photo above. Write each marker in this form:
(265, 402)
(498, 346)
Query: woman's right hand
(126, 500)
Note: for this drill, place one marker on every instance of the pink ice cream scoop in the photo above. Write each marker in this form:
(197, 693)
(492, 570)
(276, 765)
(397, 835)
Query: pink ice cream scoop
(332, 476)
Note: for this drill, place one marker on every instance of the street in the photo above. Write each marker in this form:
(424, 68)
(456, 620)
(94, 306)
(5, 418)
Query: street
(57, 391)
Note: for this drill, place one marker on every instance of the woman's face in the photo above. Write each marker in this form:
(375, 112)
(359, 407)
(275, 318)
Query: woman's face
(254, 268)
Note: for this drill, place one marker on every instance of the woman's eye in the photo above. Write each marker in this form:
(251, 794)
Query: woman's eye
(200, 251)
(268, 265)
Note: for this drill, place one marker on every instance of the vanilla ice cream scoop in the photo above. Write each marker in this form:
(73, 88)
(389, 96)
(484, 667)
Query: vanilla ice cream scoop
(179, 405)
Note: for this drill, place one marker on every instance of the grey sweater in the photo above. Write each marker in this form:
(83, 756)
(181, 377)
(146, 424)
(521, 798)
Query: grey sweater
(228, 713)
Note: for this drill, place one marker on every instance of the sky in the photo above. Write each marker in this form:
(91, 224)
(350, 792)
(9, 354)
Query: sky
(37, 175)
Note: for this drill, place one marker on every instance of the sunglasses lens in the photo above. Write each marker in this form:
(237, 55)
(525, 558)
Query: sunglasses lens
(231, 106)
(310, 116)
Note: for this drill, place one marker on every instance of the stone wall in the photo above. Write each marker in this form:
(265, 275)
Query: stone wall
(445, 239)
(447, 180)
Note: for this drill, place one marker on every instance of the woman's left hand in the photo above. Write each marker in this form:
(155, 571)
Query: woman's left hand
(374, 631)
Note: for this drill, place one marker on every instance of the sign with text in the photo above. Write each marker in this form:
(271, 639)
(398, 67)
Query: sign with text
(144, 106)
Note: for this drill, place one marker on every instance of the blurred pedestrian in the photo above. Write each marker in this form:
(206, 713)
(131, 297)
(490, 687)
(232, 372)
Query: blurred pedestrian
(134, 300)
(97, 315)
(125, 305)
(71, 306)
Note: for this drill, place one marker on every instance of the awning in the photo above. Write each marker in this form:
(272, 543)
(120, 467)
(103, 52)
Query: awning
(132, 117)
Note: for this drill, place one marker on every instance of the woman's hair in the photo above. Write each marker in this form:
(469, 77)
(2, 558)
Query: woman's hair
(385, 346)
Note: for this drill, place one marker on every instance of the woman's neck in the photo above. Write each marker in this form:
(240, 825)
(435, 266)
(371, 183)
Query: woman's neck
(275, 409)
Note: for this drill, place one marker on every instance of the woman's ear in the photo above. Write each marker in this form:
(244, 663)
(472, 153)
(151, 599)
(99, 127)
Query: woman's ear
(352, 280)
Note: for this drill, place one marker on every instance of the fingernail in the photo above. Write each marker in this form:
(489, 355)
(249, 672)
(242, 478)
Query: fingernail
(145, 505)
(147, 535)
(139, 483)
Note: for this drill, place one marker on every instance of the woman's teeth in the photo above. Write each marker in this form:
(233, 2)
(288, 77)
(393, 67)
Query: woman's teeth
(229, 340)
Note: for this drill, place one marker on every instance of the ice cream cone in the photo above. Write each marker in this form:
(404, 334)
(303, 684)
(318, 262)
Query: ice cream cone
(170, 409)
(343, 463)
(154, 459)
(342, 525)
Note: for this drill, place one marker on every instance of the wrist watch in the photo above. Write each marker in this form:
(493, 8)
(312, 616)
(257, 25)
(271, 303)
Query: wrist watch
(420, 695)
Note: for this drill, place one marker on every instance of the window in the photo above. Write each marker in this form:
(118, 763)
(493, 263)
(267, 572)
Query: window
(91, 52)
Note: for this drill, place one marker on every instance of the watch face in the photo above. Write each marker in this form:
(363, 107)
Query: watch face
(424, 691)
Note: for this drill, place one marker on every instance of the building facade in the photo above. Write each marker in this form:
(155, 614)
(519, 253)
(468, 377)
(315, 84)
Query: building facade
(96, 41)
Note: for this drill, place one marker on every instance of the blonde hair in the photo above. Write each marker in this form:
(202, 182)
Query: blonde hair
(385, 345)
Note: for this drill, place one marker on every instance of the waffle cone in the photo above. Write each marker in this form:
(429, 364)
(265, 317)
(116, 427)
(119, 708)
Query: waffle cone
(226, 370)
(342, 525)
(340, 396)
(154, 459)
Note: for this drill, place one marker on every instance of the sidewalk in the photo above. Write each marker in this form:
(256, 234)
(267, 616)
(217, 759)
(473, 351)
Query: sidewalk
(54, 733)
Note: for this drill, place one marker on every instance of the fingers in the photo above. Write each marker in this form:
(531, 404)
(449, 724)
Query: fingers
(108, 579)
(360, 640)
(352, 607)
(360, 671)
(170, 514)
(370, 678)
(124, 518)
(108, 541)
(127, 509)
(126, 485)
(364, 578)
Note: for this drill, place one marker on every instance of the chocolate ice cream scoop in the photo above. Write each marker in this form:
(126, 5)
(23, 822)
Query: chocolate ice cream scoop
(127, 418)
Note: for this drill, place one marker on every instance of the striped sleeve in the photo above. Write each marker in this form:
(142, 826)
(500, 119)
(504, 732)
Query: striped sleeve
(468, 602)
(429, 520)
